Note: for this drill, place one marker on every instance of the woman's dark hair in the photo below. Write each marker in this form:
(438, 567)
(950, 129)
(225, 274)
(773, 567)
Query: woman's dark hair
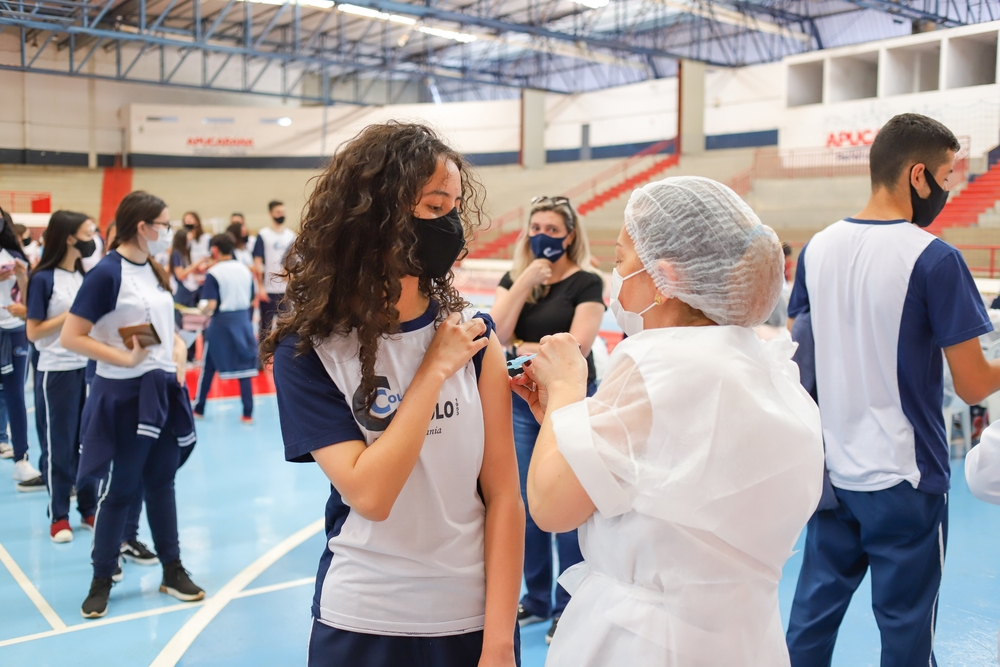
(180, 244)
(198, 230)
(357, 239)
(62, 225)
(906, 140)
(8, 239)
(236, 231)
(139, 207)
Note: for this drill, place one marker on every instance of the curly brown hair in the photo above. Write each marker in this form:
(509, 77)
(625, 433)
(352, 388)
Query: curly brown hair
(357, 240)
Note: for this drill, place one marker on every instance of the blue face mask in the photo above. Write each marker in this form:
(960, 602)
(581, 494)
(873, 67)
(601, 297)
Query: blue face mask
(547, 247)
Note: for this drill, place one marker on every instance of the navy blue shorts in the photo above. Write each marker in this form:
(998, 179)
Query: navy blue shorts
(331, 647)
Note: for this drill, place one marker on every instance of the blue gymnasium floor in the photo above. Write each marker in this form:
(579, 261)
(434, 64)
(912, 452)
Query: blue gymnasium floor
(250, 534)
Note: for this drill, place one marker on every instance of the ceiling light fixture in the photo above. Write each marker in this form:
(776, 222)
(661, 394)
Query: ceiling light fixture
(463, 37)
(318, 4)
(367, 12)
(370, 13)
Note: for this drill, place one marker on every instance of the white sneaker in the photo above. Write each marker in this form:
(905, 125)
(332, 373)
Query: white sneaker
(6, 450)
(23, 471)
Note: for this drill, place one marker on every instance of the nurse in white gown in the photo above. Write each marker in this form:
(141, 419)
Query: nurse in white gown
(696, 465)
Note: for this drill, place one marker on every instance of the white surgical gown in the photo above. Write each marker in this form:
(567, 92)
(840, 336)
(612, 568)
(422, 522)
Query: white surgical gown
(704, 458)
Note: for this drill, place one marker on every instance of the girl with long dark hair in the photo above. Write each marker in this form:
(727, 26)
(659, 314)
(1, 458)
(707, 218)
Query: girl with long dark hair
(14, 350)
(403, 401)
(137, 425)
(60, 377)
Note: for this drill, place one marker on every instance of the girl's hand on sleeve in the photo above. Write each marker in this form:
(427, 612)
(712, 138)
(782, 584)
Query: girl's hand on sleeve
(454, 345)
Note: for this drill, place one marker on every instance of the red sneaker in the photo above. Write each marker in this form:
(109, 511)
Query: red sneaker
(60, 531)
(246, 420)
(88, 522)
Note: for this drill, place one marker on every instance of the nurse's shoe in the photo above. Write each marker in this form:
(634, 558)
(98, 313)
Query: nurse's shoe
(178, 584)
(96, 604)
(525, 617)
(552, 630)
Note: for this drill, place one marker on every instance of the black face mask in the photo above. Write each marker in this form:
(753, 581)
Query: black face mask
(280, 219)
(245, 238)
(189, 227)
(925, 210)
(26, 241)
(86, 248)
(439, 243)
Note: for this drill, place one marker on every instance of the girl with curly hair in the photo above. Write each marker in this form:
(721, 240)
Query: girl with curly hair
(403, 401)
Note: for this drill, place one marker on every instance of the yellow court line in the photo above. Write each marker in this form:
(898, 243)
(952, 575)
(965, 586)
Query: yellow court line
(29, 589)
(152, 612)
(171, 654)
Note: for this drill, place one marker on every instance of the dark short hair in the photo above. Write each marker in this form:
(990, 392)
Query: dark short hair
(225, 243)
(20, 229)
(274, 203)
(233, 215)
(906, 140)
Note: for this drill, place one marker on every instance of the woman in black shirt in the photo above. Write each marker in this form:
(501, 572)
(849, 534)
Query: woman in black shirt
(547, 291)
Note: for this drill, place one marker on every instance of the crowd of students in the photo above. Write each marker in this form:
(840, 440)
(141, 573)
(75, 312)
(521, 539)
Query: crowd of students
(102, 333)
(671, 494)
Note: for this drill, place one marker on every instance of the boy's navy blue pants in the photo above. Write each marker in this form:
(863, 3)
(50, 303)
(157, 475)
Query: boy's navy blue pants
(332, 647)
(59, 398)
(208, 371)
(899, 533)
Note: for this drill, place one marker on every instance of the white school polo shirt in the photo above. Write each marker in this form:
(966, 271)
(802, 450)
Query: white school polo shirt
(885, 298)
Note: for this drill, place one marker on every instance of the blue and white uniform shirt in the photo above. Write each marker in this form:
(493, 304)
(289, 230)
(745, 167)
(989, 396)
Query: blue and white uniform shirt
(885, 298)
(118, 293)
(8, 321)
(421, 572)
(271, 247)
(51, 293)
(231, 284)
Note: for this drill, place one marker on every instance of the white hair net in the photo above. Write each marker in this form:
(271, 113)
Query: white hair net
(703, 245)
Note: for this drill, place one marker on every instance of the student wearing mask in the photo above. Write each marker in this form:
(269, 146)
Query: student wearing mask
(550, 289)
(243, 250)
(269, 252)
(230, 347)
(246, 238)
(14, 350)
(137, 427)
(885, 297)
(693, 469)
(198, 241)
(32, 248)
(403, 401)
(60, 379)
(90, 262)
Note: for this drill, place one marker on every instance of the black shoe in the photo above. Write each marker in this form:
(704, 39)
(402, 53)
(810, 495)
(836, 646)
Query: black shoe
(96, 604)
(178, 584)
(136, 551)
(552, 630)
(525, 617)
(35, 484)
(118, 575)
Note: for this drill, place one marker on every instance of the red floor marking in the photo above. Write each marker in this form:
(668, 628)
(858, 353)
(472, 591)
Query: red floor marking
(262, 384)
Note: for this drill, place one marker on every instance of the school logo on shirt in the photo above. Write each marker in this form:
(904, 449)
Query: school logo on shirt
(387, 401)
(382, 411)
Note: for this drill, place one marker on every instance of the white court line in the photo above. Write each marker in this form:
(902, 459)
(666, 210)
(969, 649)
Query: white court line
(29, 589)
(180, 642)
(152, 612)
